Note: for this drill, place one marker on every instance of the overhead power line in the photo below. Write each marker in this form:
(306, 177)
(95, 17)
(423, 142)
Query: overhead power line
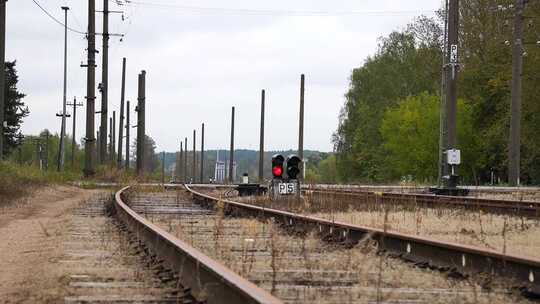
(271, 12)
(56, 20)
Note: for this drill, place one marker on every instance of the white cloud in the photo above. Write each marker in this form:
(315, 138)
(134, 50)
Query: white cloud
(200, 64)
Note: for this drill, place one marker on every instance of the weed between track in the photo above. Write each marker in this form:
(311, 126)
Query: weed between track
(507, 234)
(300, 268)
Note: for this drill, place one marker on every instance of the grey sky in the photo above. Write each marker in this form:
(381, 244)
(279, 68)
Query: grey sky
(199, 63)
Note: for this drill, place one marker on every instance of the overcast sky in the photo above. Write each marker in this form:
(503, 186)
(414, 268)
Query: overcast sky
(202, 57)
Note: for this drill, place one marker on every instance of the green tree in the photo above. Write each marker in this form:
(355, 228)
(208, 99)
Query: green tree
(406, 63)
(411, 134)
(14, 108)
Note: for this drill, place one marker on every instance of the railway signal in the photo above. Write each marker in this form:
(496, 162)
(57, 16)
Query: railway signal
(285, 186)
(293, 166)
(277, 166)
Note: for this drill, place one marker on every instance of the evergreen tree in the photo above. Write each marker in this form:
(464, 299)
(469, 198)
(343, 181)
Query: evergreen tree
(14, 109)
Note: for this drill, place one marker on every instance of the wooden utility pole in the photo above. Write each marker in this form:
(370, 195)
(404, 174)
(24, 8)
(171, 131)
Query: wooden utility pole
(231, 153)
(261, 140)
(73, 141)
(127, 135)
(89, 144)
(514, 149)
(301, 127)
(201, 178)
(2, 74)
(121, 126)
(141, 123)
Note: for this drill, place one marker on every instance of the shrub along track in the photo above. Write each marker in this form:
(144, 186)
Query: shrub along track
(297, 266)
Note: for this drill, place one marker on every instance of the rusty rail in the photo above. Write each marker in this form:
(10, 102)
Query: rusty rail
(209, 280)
(463, 259)
(510, 207)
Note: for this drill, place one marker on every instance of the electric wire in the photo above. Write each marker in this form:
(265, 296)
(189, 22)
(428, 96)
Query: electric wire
(271, 12)
(56, 20)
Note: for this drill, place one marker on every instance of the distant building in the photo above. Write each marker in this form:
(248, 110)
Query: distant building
(221, 171)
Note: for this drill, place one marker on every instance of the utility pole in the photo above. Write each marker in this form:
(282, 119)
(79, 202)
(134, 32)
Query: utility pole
(61, 150)
(104, 79)
(162, 168)
(127, 135)
(141, 123)
(450, 70)
(73, 141)
(261, 142)
(89, 144)
(121, 126)
(113, 142)
(194, 164)
(46, 159)
(301, 127)
(514, 149)
(180, 162)
(231, 153)
(441, 168)
(185, 160)
(202, 155)
(2, 72)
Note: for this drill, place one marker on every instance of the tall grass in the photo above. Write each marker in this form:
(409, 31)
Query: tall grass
(18, 180)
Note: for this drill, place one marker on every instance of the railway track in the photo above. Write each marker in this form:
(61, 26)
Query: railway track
(320, 259)
(104, 264)
(499, 206)
(300, 267)
(465, 260)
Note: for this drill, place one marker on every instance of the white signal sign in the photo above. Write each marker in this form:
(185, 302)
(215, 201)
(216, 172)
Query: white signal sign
(453, 156)
(454, 53)
(286, 188)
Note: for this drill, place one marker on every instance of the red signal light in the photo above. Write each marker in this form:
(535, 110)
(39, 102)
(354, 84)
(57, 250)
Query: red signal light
(277, 171)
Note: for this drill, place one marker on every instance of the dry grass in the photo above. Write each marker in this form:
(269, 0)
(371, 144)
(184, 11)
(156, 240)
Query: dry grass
(459, 225)
(300, 268)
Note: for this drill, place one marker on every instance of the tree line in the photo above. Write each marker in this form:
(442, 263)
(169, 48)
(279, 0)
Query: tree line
(389, 124)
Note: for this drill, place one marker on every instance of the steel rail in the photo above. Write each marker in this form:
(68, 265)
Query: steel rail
(208, 280)
(462, 259)
(511, 207)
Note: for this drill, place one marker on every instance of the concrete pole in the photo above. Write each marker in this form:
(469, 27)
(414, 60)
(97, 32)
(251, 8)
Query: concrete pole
(514, 149)
(61, 149)
(231, 153)
(202, 155)
(194, 164)
(113, 143)
(104, 79)
(451, 77)
(141, 123)
(181, 162)
(261, 140)
(2, 74)
(185, 160)
(121, 126)
(89, 145)
(301, 127)
(127, 135)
